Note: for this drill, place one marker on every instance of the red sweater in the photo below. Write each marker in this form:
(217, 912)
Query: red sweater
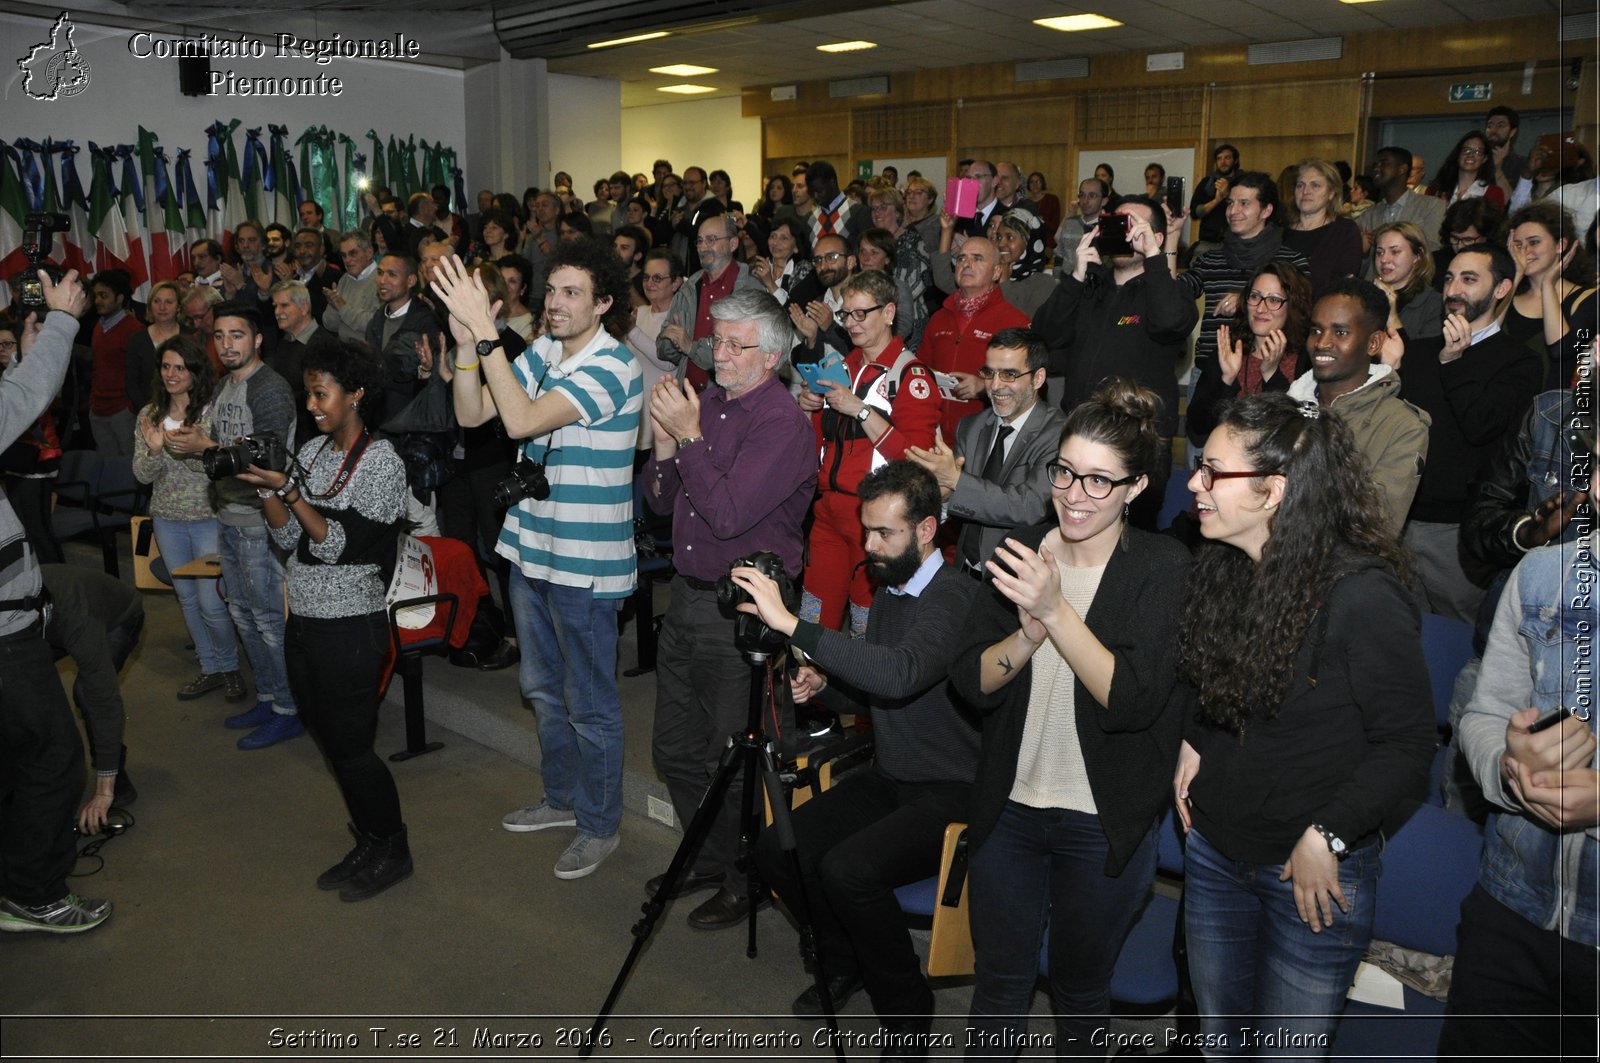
(954, 344)
(108, 379)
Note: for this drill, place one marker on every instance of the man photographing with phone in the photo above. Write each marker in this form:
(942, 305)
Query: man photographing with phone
(1121, 313)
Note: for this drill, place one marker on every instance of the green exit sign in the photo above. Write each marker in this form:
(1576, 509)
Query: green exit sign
(1471, 91)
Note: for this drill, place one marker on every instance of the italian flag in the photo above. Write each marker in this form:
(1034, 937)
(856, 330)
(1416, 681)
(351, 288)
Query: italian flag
(13, 216)
(160, 212)
(74, 249)
(132, 206)
(105, 215)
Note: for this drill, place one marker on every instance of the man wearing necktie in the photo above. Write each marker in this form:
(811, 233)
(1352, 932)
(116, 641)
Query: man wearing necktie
(1013, 439)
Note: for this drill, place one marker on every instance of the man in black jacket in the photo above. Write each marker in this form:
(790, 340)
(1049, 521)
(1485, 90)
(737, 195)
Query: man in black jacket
(1475, 383)
(883, 826)
(1125, 318)
(400, 321)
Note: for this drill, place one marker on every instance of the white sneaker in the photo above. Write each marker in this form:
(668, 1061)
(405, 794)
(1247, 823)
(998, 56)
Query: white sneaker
(538, 817)
(585, 854)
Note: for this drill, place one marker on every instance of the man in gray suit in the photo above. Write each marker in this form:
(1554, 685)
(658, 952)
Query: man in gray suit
(994, 479)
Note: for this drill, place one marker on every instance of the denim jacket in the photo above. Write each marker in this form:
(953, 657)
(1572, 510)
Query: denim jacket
(1529, 467)
(1540, 654)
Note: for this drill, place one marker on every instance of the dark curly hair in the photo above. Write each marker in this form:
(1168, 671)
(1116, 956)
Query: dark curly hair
(605, 272)
(1243, 622)
(1298, 325)
(354, 367)
(202, 379)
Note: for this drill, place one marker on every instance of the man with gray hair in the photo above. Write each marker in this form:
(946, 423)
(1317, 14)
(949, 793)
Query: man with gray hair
(298, 333)
(685, 338)
(354, 299)
(736, 467)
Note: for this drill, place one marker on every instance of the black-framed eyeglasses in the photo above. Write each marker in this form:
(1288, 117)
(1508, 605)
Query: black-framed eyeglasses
(1209, 476)
(1094, 485)
(858, 315)
(731, 345)
(657, 278)
(1006, 375)
(1274, 302)
(827, 256)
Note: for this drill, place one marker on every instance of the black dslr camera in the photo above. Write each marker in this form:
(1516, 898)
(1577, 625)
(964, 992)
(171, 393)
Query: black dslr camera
(750, 634)
(527, 480)
(38, 229)
(264, 450)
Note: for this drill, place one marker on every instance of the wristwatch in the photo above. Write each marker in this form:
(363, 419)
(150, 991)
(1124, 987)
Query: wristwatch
(1336, 844)
(866, 411)
(485, 346)
(686, 440)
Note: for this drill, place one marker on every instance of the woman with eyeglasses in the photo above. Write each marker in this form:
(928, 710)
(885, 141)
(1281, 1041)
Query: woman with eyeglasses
(1468, 172)
(337, 518)
(662, 276)
(1071, 660)
(1313, 727)
(1261, 349)
(1404, 271)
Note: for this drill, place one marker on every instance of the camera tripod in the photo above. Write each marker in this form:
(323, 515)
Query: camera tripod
(750, 751)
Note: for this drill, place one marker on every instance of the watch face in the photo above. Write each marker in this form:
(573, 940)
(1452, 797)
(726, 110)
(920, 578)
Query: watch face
(485, 346)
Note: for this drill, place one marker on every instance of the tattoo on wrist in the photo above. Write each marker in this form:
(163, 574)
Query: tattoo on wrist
(1005, 666)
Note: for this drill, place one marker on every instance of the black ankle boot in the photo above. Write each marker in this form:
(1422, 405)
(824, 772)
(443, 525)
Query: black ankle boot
(353, 861)
(389, 863)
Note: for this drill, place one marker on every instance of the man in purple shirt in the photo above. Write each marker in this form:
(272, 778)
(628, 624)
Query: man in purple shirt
(737, 467)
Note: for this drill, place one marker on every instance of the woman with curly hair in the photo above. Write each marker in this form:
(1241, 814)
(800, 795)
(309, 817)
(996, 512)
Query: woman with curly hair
(1071, 661)
(1314, 721)
(1261, 349)
(337, 518)
(1554, 303)
(1468, 172)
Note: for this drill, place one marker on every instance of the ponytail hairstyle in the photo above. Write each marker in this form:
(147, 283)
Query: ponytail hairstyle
(1244, 622)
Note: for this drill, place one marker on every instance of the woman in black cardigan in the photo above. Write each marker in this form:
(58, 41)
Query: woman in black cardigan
(1072, 660)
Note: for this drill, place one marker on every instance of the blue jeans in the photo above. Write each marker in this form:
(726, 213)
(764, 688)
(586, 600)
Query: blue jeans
(1254, 963)
(1045, 867)
(181, 541)
(253, 576)
(569, 675)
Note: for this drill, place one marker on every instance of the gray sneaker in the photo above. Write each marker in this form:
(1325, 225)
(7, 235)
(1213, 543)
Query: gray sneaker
(585, 854)
(202, 684)
(233, 686)
(70, 915)
(538, 817)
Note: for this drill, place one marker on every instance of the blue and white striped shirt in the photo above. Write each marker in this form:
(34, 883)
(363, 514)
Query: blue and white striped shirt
(582, 535)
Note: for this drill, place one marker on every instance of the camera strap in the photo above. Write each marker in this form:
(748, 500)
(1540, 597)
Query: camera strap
(347, 468)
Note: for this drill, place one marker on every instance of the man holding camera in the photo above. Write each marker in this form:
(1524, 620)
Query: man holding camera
(573, 399)
(41, 756)
(882, 826)
(736, 466)
(251, 400)
(1122, 313)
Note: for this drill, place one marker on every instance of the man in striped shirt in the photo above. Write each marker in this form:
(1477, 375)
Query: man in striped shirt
(574, 399)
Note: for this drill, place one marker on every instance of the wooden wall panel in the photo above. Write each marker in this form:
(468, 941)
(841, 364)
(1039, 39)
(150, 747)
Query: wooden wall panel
(1401, 97)
(804, 136)
(1444, 49)
(1002, 122)
(1307, 107)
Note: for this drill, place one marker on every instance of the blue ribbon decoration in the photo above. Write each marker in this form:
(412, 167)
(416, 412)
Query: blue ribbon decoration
(28, 168)
(131, 181)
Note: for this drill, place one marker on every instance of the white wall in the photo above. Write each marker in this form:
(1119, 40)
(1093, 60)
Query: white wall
(585, 130)
(125, 92)
(711, 134)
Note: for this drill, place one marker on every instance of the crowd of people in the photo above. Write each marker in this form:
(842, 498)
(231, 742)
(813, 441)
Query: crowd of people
(955, 438)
